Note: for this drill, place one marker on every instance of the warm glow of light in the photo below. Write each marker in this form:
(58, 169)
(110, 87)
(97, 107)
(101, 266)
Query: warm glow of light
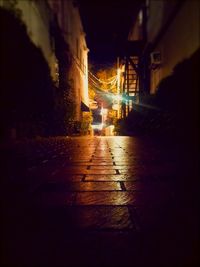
(118, 80)
(117, 97)
(109, 131)
(115, 107)
(97, 126)
(104, 111)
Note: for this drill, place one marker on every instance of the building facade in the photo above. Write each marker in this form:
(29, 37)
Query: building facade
(170, 30)
(69, 21)
(54, 27)
(37, 17)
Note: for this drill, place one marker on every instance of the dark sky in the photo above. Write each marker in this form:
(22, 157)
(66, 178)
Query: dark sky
(106, 23)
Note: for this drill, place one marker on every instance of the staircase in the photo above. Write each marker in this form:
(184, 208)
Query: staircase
(131, 84)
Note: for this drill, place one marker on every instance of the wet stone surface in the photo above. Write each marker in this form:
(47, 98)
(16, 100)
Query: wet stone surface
(117, 177)
(79, 186)
(97, 201)
(104, 198)
(100, 218)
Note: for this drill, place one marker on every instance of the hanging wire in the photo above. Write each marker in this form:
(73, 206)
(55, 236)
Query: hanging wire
(112, 85)
(102, 89)
(105, 82)
(92, 82)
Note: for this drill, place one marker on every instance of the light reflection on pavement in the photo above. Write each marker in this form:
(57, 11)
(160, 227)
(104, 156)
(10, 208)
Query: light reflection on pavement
(88, 200)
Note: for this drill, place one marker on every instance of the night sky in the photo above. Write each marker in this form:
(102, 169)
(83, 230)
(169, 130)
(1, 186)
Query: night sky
(106, 24)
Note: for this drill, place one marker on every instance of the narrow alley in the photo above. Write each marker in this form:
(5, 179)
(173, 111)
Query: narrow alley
(99, 138)
(98, 201)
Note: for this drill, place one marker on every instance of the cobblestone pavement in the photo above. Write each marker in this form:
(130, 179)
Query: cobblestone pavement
(98, 201)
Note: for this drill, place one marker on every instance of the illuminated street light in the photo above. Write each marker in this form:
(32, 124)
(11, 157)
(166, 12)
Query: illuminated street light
(117, 97)
(104, 111)
(97, 126)
(118, 80)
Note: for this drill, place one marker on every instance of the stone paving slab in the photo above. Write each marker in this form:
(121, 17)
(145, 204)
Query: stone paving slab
(88, 163)
(77, 159)
(124, 161)
(103, 161)
(53, 199)
(150, 171)
(103, 158)
(117, 177)
(83, 170)
(63, 176)
(98, 217)
(100, 171)
(104, 198)
(123, 158)
(103, 167)
(105, 218)
(123, 198)
(153, 186)
(65, 186)
(80, 209)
